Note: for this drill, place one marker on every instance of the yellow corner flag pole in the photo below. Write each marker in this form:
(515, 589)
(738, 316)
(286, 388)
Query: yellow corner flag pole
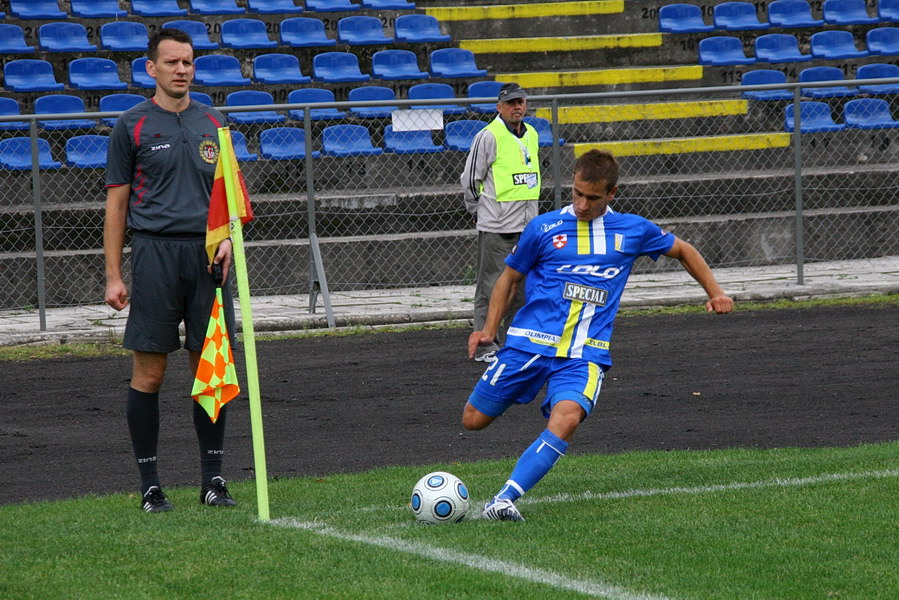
(233, 188)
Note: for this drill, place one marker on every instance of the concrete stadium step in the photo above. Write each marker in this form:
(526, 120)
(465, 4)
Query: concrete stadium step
(551, 82)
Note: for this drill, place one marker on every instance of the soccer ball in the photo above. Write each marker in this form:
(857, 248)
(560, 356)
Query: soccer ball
(439, 497)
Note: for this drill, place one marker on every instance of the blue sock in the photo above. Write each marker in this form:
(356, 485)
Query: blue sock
(533, 465)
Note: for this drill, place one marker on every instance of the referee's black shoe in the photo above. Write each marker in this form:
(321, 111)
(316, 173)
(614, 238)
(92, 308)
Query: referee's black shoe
(154, 501)
(215, 493)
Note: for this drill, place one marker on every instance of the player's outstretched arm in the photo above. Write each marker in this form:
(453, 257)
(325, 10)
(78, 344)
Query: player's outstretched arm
(698, 268)
(500, 299)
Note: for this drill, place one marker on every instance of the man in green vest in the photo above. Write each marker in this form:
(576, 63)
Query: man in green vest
(501, 186)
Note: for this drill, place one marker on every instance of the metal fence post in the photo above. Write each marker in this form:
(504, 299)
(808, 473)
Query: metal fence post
(38, 228)
(318, 281)
(797, 186)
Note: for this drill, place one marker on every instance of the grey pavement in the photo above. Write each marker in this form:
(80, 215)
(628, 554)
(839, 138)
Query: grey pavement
(377, 308)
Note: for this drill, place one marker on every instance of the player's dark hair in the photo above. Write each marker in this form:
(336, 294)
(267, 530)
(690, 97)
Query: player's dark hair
(166, 34)
(598, 165)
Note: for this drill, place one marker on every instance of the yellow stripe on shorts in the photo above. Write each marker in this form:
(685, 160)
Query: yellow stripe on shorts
(593, 380)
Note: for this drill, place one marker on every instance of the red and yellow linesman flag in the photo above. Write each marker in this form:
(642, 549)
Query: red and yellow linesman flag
(216, 380)
(218, 223)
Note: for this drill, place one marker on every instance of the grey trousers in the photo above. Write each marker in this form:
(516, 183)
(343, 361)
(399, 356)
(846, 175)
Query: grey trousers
(492, 251)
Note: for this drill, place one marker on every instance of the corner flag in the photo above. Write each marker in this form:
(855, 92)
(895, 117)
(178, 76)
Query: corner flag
(226, 170)
(216, 380)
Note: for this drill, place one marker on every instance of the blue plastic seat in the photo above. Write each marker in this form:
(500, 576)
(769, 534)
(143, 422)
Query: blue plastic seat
(878, 71)
(454, 62)
(765, 77)
(197, 31)
(97, 9)
(278, 68)
(847, 12)
(544, 130)
(459, 134)
(824, 73)
(418, 29)
(94, 73)
(371, 93)
(10, 106)
(273, 7)
(410, 142)
(284, 143)
(157, 8)
(396, 64)
(834, 45)
(348, 140)
(139, 76)
(484, 89)
(36, 9)
(215, 7)
(888, 10)
(723, 50)
(387, 4)
(246, 33)
(117, 102)
(15, 154)
(314, 95)
(779, 48)
(124, 36)
(12, 40)
(792, 13)
(30, 75)
(304, 32)
(738, 16)
(87, 151)
(361, 30)
(241, 152)
(815, 117)
(337, 67)
(64, 37)
(330, 5)
(435, 91)
(682, 18)
(218, 69)
(58, 104)
(201, 97)
(252, 98)
(869, 113)
(883, 41)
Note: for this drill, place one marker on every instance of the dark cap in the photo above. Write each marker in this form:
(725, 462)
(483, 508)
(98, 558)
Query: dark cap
(511, 91)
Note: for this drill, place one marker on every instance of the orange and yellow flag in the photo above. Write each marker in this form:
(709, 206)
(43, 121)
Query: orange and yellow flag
(216, 379)
(217, 224)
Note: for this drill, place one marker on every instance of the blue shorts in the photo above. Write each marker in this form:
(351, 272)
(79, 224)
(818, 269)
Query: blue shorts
(516, 377)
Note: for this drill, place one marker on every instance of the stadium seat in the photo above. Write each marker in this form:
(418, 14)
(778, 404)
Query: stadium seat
(36, 9)
(348, 140)
(252, 98)
(330, 5)
(64, 37)
(454, 62)
(779, 48)
(304, 32)
(139, 76)
(815, 117)
(201, 97)
(215, 7)
(888, 10)
(30, 75)
(284, 143)
(58, 104)
(361, 30)
(459, 134)
(15, 154)
(218, 69)
(737, 16)
(435, 91)
(197, 32)
(883, 41)
(241, 152)
(869, 113)
(418, 28)
(97, 9)
(157, 8)
(117, 103)
(396, 64)
(387, 4)
(834, 45)
(824, 73)
(792, 13)
(765, 77)
(544, 130)
(12, 40)
(273, 7)
(87, 151)
(847, 12)
(278, 68)
(410, 142)
(723, 50)
(95, 74)
(313, 95)
(124, 36)
(337, 67)
(10, 106)
(878, 71)
(370, 93)
(682, 18)
(246, 33)
(484, 89)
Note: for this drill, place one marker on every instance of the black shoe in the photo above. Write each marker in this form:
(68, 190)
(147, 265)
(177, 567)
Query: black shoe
(155, 501)
(215, 493)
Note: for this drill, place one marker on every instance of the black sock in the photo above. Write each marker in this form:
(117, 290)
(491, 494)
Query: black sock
(211, 437)
(142, 411)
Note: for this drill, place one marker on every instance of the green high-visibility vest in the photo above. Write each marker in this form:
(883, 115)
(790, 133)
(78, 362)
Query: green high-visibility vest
(516, 170)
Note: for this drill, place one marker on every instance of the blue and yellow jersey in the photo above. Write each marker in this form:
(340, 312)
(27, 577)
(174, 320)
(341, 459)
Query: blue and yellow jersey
(576, 272)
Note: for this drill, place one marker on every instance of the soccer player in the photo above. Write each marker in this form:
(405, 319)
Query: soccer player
(574, 263)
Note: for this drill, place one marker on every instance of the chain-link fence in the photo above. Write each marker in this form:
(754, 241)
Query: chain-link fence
(375, 184)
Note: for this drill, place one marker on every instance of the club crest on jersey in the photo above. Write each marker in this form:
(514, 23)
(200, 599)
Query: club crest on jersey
(560, 241)
(209, 151)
